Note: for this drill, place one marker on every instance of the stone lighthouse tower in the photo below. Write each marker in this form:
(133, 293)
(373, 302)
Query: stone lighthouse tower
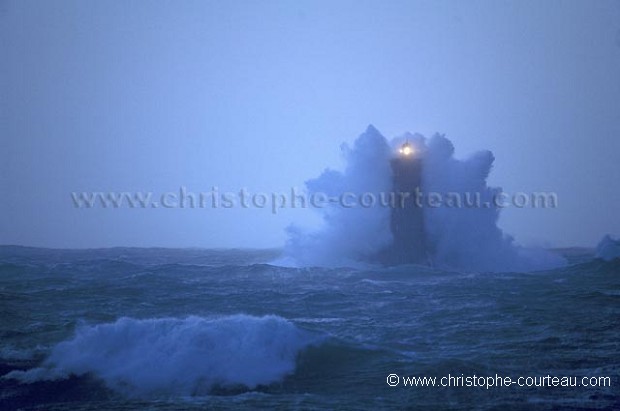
(407, 214)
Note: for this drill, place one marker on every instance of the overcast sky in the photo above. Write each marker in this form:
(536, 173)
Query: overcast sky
(151, 96)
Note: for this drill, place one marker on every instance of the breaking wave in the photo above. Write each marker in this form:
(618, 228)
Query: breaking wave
(169, 356)
(460, 238)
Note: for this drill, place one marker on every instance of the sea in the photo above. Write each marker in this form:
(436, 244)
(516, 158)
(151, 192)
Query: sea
(198, 329)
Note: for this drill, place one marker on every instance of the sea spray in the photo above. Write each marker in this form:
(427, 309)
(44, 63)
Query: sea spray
(461, 237)
(348, 236)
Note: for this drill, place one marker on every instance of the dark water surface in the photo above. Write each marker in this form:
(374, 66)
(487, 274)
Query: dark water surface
(158, 329)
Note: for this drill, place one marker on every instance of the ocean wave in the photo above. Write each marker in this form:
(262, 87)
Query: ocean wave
(608, 249)
(170, 357)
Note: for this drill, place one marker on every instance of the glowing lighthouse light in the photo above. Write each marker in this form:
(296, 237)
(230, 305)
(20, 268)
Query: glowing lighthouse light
(406, 149)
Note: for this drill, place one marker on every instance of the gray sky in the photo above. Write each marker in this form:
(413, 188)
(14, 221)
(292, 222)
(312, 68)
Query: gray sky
(151, 96)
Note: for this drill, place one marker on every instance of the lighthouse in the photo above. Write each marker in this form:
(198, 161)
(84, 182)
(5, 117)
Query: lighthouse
(407, 215)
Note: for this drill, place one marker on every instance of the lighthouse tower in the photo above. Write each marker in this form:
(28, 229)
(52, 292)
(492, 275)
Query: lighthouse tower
(407, 216)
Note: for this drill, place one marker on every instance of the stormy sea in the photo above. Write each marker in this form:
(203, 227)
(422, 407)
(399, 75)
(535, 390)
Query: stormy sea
(182, 329)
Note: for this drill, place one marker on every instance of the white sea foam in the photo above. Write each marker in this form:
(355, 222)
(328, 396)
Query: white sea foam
(168, 356)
